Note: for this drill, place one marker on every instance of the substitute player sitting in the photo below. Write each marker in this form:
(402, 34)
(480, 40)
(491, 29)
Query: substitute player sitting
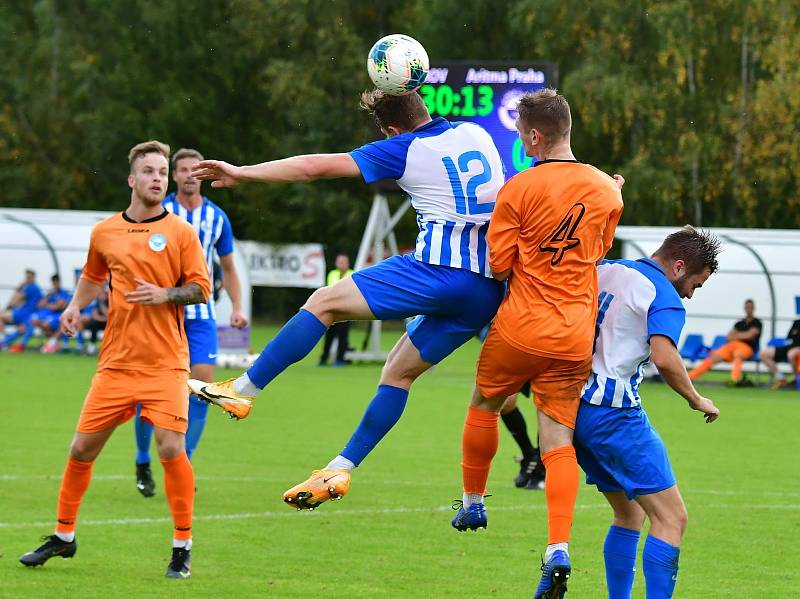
(156, 266)
(742, 345)
(640, 319)
(553, 223)
(452, 172)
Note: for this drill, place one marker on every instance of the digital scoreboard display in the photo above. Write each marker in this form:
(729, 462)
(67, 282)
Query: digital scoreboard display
(486, 93)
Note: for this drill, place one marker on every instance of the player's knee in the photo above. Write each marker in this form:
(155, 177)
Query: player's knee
(170, 446)
(83, 450)
(321, 305)
(681, 519)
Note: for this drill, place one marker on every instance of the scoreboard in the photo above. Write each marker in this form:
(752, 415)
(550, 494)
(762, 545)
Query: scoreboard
(486, 93)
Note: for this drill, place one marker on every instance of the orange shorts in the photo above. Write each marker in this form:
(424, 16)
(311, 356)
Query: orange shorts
(556, 384)
(734, 349)
(114, 395)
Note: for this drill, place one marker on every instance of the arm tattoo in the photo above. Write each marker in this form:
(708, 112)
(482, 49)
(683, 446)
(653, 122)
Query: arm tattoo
(188, 294)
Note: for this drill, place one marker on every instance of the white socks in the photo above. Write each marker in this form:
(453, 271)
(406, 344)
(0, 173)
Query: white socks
(470, 498)
(340, 463)
(183, 544)
(551, 549)
(244, 386)
(67, 537)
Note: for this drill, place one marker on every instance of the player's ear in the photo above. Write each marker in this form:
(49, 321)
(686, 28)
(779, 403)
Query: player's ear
(679, 268)
(131, 180)
(391, 131)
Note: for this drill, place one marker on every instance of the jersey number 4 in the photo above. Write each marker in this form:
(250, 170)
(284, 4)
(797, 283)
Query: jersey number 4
(467, 202)
(563, 238)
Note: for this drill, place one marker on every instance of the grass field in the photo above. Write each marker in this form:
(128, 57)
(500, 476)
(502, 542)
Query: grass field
(390, 537)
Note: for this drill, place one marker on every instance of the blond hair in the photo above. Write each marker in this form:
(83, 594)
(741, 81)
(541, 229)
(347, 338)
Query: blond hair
(147, 147)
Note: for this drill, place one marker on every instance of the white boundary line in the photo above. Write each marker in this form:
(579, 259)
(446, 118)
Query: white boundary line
(288, 513)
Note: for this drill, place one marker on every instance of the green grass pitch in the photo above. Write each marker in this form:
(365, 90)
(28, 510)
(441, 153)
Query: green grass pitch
(391, 536)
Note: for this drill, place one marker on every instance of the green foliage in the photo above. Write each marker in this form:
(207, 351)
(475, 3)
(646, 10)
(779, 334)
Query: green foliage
(696, 104)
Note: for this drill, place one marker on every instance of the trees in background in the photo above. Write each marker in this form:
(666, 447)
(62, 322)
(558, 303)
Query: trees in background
(698, 104)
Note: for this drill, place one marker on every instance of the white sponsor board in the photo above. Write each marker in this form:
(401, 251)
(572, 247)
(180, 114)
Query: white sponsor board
(290, 265)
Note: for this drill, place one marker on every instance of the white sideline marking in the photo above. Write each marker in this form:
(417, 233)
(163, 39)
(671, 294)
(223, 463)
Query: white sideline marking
(289, 513)
(379, 481)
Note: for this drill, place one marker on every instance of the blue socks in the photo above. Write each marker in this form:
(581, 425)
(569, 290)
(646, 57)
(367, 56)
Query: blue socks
(660, 565)
(381, 415)
(144, 430)
(144, 433)
(619, 552)
(292, 343)
(197, 422)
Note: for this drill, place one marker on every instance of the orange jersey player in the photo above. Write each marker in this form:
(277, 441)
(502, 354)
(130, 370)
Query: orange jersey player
(155, 265)
(551, 226)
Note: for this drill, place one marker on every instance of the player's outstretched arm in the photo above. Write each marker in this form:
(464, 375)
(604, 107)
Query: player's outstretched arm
(70, 318)
(308, 167)
(670, 365)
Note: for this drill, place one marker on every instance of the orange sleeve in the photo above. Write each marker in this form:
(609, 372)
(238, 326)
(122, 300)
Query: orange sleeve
(194, 268)
(611, 228)
(96, 269)
(504, 229)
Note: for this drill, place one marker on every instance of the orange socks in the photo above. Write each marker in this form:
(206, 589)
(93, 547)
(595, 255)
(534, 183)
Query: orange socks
(736, 369)
(77, 476)
(701, 368)
(179, 488)
(561, 490)
(478, 446)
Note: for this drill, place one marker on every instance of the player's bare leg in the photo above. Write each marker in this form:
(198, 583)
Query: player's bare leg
(403, 366)
(297, 338)
(668, 519)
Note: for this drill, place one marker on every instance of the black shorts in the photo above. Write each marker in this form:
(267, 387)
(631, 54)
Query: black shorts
(781, 353)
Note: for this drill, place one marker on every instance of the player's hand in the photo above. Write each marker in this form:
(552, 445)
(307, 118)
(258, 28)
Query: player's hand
(707, 407)
(220, 173)
(238, 319)
(147, 293)
(619, 180)
(69, 320)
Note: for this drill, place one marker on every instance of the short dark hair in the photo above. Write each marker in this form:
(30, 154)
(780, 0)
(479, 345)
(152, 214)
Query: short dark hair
(185, 153)
(55, 277)
(30, 271)
(749, 301)
(698, 248)
(403, 112)
(546, 110)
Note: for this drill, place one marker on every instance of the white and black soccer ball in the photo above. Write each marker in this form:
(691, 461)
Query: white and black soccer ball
(397, 64)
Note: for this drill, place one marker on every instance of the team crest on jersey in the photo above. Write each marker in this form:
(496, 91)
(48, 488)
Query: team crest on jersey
(157, 242)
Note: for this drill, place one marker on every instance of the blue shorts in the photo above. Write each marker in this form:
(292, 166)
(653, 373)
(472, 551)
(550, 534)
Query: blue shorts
(451, 304)
(49, 318)
(620, 451)
(202, 337)
(20, 316)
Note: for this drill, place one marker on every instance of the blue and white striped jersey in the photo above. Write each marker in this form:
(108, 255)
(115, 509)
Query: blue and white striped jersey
(636, 302)
(214, 229)
(452, 173)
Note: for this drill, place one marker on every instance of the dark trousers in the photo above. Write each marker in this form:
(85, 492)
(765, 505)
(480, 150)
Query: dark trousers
(339, 331)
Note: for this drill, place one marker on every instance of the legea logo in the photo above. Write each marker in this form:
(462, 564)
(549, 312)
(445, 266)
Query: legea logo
(157, 242)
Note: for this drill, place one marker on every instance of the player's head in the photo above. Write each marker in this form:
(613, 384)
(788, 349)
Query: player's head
(56, 281)
(543, 121)
(30, 275)
(342, 262)
(395, 114)
(182, 163)
(749, 308)
(689, 257)
(149, 162)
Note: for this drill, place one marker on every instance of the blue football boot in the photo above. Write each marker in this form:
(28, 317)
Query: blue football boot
(471, 518)
(555, 574)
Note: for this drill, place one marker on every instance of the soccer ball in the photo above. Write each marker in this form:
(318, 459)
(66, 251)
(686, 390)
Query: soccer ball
(397, 64)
